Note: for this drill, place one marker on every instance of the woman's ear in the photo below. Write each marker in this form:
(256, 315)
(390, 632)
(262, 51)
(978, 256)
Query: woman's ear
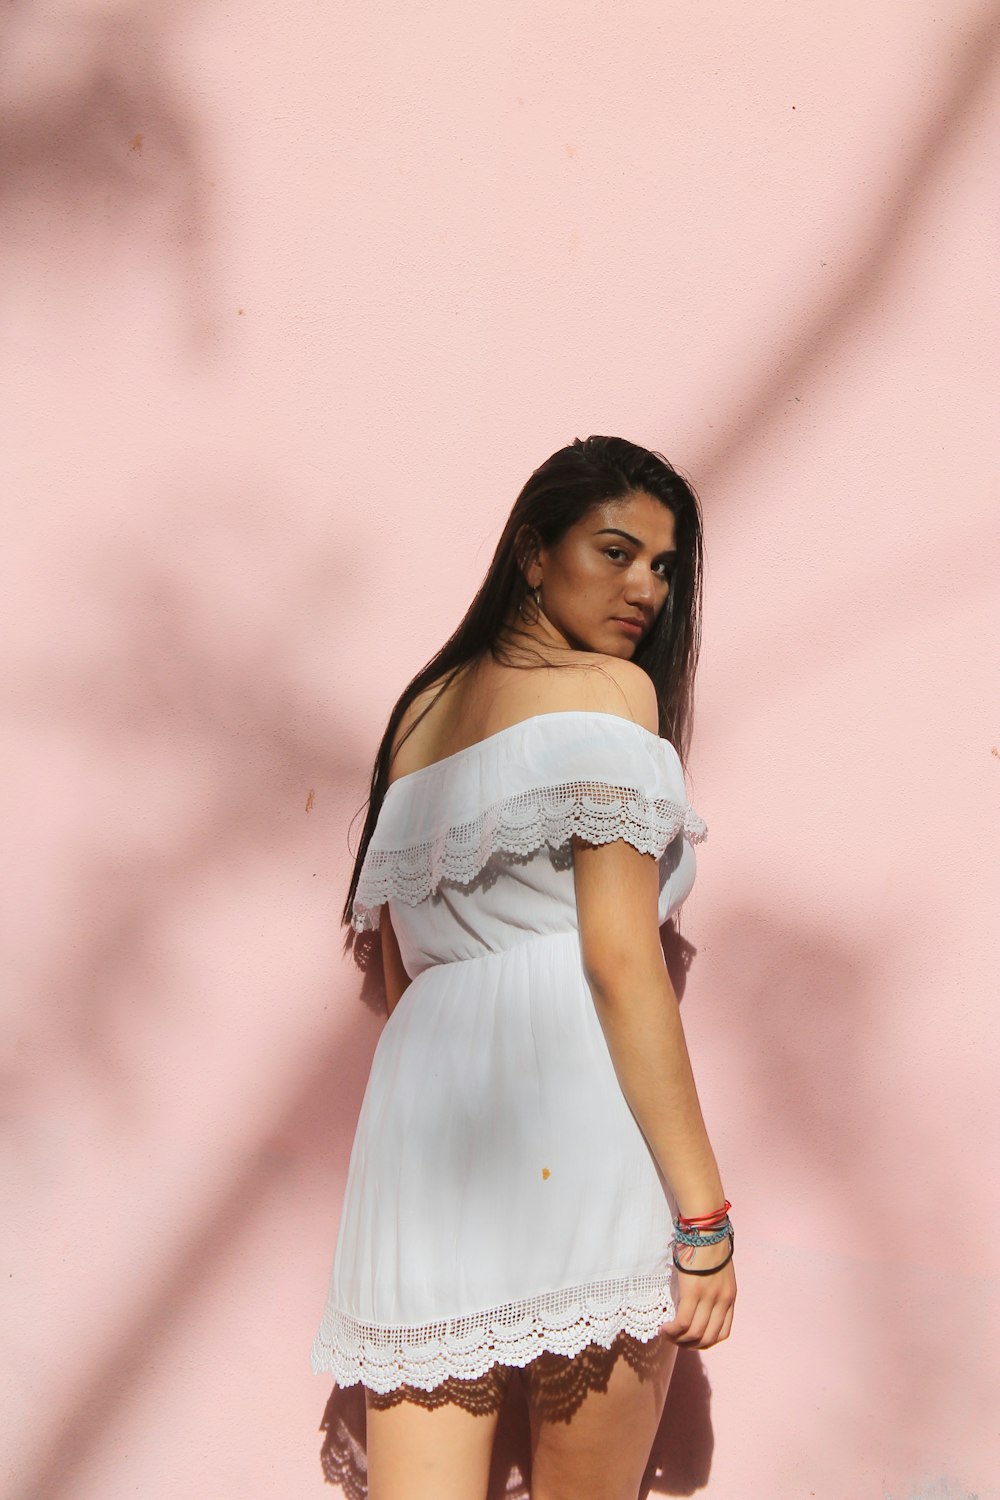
(526, 548)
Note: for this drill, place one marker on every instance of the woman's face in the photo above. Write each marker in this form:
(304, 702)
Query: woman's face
(606, 580)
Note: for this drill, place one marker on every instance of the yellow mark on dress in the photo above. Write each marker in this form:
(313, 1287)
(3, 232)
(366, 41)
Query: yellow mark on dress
(545, 1173)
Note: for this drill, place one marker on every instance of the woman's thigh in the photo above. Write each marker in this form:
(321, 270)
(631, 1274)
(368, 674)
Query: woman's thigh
(434, 1445)
(594, 1418)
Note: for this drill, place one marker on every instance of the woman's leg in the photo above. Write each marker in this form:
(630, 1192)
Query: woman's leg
(594, 1418)
(434, 1445)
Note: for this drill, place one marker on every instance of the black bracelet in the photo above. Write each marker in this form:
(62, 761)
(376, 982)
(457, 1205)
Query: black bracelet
(689, 1271)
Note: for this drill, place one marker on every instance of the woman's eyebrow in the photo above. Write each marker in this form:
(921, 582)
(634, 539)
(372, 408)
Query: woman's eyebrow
(617, 531)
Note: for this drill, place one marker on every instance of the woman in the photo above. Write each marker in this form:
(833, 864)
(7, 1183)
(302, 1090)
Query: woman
(531, 1185)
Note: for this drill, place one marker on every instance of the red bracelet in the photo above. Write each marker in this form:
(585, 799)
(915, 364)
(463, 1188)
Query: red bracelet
(705, 1221)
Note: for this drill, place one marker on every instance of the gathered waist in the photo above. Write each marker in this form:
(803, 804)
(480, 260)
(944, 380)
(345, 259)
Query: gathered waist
(570, 937)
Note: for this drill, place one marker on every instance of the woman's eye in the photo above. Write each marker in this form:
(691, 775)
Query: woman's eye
(614, 553)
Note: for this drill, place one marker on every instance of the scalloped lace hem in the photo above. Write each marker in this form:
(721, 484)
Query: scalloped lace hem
(562, 1322)
(519, 826)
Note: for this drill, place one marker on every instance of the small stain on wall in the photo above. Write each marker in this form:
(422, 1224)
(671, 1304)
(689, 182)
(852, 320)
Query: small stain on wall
(310, 800)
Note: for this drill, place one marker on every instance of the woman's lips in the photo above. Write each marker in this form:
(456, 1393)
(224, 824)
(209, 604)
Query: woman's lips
(634, 627)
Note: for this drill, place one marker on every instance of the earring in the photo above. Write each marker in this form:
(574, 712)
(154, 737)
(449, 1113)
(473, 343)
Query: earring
(536, 594)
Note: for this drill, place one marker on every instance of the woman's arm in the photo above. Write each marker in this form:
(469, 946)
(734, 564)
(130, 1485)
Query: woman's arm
(617, 895)
(396, 977)
(617, 891)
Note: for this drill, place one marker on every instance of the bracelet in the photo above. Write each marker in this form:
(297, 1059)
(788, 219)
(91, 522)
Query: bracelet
(699, 1237)
(710, 1270)
(701, 1220)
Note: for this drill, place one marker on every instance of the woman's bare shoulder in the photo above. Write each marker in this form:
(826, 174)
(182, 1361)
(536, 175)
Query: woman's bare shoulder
(450, 714)
(602, 684)
(416, 710)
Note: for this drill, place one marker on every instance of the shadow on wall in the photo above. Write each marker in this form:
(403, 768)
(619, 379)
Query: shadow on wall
(323, 1110)
(107, 137)
(98, 147)
(812, 331)
(821, 1105)
(192, 684)
(679, 1464)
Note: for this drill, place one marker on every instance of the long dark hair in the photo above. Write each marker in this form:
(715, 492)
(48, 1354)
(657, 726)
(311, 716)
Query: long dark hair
(559, 493)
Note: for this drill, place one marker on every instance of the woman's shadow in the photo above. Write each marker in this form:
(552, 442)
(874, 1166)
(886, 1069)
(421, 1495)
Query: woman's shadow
(679, 1463)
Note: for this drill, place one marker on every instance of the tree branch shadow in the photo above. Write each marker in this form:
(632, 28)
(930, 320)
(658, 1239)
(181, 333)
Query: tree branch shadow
(103, 148)
(813, 331)
(319, 1112)
(234, 710)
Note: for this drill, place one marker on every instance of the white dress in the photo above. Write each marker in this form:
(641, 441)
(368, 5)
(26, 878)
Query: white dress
(501, 1198)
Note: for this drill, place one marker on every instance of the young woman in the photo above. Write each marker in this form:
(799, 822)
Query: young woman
(532, 1186)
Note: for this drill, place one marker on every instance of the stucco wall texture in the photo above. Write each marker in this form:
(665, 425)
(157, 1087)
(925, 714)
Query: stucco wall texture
(292, 300)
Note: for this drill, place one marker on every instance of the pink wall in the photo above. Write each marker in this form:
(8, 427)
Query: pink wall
(291, 302)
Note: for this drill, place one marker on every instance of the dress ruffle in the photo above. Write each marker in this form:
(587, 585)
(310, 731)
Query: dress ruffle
(561, 1322)
(519, 826)
(629, 785)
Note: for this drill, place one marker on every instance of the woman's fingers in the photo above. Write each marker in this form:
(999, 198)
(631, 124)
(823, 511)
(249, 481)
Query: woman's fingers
(718, 1328)
(707, 1321)
(705, 1313)
(727, 1324)
(696, 1329)
(687, 1307)
(692, 1320)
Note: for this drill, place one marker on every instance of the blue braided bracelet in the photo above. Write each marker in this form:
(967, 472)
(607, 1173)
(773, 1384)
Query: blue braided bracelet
(696, 1238)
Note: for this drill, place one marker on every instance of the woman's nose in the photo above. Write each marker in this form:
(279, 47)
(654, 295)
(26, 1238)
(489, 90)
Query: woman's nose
(639, 588)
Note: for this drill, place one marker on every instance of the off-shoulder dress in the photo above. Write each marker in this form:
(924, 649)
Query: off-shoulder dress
(501, 1198)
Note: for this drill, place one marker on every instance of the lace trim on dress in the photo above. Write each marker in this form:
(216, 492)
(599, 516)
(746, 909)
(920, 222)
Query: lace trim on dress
(561, 1322)
(520, 825)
